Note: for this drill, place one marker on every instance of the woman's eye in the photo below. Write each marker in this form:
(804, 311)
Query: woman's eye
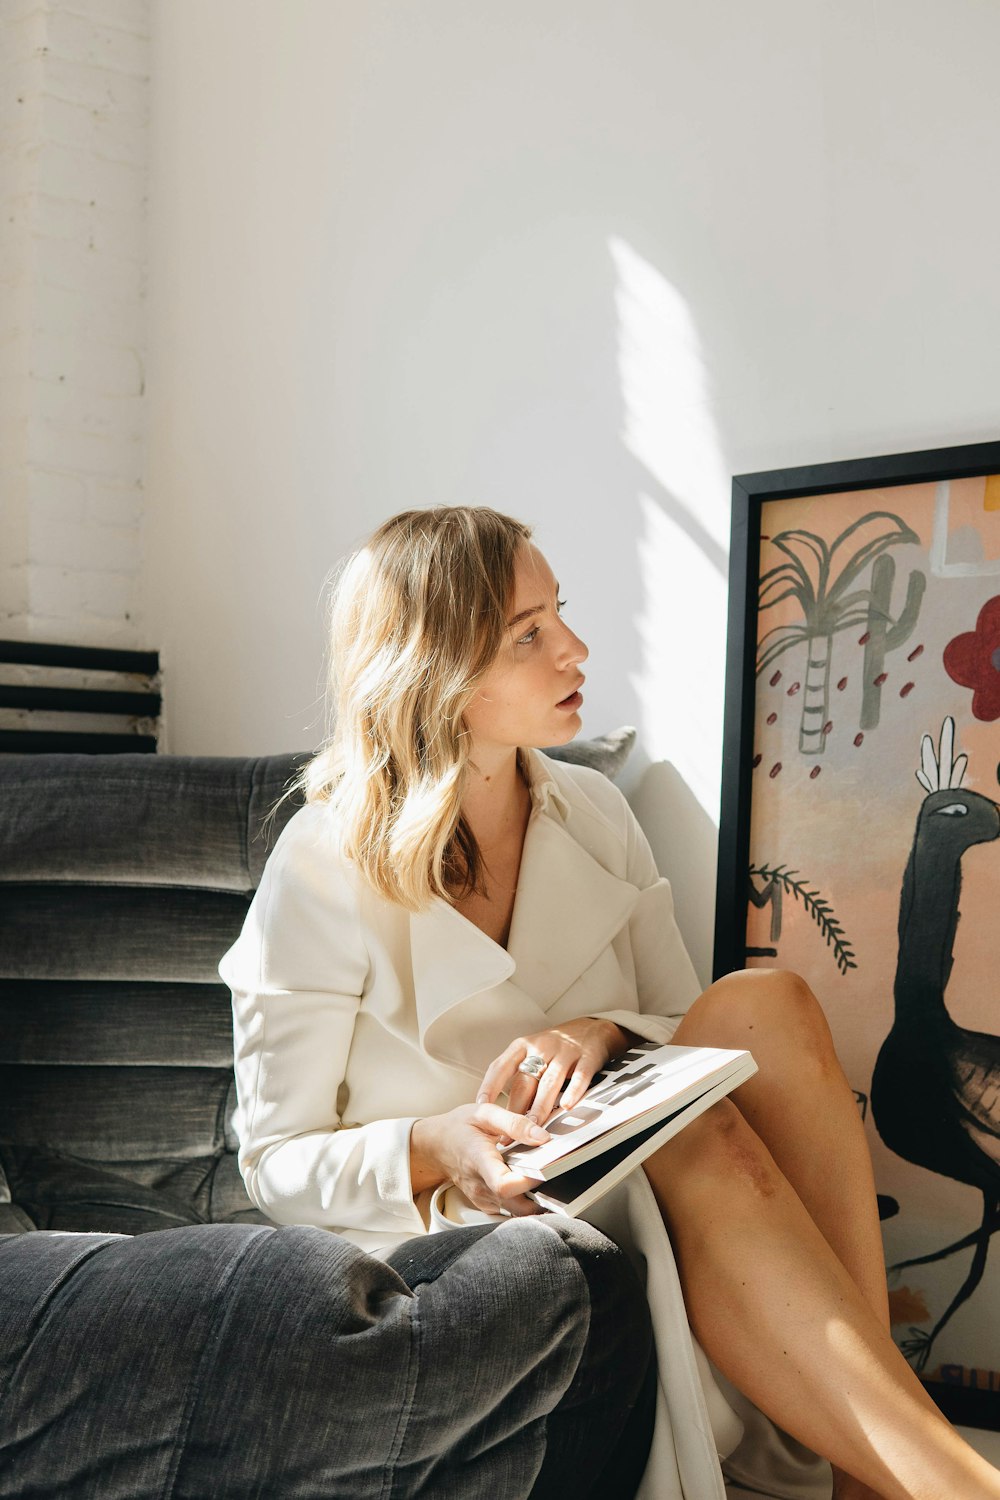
(560, 606)
(526, 640)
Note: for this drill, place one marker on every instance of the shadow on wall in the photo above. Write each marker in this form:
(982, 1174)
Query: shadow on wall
(683, 839)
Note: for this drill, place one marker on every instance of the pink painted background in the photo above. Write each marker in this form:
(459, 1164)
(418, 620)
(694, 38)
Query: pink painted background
(848, 829)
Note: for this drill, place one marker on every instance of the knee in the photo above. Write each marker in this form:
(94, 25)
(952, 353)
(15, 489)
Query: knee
(774, 1007)
(721, 1151)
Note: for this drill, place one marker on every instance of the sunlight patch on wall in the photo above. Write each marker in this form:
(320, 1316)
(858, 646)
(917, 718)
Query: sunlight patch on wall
(682, 638)
(668, 421)
(669, 427)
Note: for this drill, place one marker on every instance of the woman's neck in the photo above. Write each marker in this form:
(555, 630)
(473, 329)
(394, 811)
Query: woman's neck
(496, 806)
(496, 799)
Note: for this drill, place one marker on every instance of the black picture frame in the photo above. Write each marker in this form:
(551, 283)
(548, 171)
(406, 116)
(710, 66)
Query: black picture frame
(750, 492)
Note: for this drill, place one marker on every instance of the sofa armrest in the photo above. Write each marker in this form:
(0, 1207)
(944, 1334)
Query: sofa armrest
(228, 1361)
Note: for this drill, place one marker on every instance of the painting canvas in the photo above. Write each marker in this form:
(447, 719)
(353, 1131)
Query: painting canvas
(860, 846)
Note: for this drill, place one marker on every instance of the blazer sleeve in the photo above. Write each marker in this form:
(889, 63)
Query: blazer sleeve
(297, 974)
(665, 977)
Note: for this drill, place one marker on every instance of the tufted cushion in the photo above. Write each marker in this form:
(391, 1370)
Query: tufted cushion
(161, 820)
(123, 879)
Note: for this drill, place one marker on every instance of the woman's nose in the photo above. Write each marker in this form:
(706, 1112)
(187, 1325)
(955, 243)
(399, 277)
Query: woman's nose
(573, 649)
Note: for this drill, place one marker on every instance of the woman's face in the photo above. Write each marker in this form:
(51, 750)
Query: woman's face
(531, 694)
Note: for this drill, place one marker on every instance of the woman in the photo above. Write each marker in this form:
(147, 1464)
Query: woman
(449, 906)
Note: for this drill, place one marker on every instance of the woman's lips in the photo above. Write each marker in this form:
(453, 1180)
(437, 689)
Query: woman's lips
(572, 702)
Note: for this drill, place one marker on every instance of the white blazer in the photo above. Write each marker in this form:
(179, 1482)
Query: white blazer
(354, 1017)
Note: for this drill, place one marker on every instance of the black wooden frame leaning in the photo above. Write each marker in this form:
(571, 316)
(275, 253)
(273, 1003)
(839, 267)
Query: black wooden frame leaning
(971, 1407)
(750, 491)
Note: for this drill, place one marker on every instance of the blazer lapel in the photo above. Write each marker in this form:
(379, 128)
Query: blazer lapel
(472, 997)
(467, 1009)
(568, 909)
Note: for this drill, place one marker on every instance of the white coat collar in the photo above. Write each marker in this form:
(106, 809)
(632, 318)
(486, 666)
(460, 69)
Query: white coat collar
(472, 996)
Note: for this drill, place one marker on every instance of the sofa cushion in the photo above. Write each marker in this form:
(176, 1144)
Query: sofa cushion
(142, 819)
(606, 752)
(118, 1114)
(61, 1192)
(117, 932)
(170, 819)
(80, 1023)
(224, 1362)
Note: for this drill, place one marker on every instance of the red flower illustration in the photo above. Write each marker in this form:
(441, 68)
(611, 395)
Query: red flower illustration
(973, 661)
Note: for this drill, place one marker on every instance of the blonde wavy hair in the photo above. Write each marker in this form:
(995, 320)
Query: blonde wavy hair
(417, 617)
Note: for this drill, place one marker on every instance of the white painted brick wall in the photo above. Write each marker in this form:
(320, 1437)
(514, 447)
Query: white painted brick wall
(73, 189)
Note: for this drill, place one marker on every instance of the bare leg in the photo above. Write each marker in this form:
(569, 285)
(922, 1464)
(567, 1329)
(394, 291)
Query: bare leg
(803, 1109)
(775, 1309)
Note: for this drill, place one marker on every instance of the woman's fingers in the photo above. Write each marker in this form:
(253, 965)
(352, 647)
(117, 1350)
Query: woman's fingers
(573, 1053)
(563, 1086)
(504, 1068)
(579, 1082)
(504, 1071)
(510, 1188)
(461, 1147)
(493, 1185)
(521, 1094)
(550, 1086)
(498, 1122)
(563, 1082)
(518, 1204)
(561, 1055)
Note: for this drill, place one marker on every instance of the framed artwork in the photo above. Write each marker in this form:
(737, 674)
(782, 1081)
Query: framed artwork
(860, 845)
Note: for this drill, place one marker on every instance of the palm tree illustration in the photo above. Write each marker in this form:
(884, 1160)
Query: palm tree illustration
(821, 577)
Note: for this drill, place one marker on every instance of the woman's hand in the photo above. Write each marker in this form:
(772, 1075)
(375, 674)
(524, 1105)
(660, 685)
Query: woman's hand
(461, 1147)
(573, 1053)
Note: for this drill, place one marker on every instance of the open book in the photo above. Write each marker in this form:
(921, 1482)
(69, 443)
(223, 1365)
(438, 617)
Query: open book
(632, 1107)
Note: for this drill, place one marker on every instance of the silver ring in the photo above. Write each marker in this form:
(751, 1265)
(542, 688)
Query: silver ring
(534, 1065)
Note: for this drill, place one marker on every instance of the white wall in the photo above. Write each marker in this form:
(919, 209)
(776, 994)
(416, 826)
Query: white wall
(580, 260)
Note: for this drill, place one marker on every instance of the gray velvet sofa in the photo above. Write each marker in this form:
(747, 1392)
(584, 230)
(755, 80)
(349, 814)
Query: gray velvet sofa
(124, 880)
(157, 1335)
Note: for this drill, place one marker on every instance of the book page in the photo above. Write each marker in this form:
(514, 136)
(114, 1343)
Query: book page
(646, 1078)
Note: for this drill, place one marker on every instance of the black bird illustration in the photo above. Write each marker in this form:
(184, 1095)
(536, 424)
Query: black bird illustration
(935, 1093)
